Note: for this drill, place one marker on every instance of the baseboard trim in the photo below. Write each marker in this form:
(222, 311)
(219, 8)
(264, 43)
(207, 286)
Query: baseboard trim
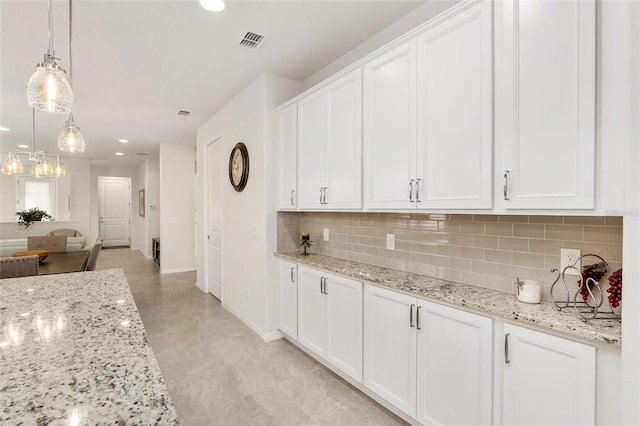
(266, 336)
(177, 270)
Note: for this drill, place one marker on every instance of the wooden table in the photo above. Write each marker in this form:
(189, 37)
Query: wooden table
(64, 261)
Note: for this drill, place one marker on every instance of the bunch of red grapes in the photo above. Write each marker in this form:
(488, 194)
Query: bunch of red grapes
(596, 272)
(615, 288)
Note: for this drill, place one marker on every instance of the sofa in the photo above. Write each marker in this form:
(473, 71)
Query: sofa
(8, 247)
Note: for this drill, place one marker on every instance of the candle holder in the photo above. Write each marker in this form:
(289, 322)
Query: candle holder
(305, 243)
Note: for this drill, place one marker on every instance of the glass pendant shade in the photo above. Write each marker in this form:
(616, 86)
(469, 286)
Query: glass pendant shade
(213, 5)
(58, 169)
(70, 139)
(48, 88)
(12, 166)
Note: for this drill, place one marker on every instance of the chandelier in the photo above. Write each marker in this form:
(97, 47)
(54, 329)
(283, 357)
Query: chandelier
(42, 166)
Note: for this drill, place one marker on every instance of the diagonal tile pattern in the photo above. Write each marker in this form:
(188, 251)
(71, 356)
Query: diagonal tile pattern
(220, 373)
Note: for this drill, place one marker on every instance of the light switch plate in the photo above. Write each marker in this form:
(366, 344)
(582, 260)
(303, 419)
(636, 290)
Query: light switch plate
(325, 234)
(391, 242)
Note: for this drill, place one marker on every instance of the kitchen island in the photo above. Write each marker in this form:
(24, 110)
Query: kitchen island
(73, 350)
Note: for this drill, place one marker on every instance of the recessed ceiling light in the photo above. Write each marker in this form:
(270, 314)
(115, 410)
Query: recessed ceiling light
(119, 153)
(23, 146)
(212, 5)
(123, 141)
(4, 129)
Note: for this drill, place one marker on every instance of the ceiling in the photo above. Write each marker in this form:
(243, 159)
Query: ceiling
(136, 63)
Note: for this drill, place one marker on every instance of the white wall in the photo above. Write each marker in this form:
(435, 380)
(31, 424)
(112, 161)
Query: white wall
(248, 264)
(149, 180)
(114, 171)
(177, 215)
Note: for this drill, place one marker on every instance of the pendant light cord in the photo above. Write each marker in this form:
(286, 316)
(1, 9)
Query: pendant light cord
(70, 46)
(33, 127)
(51, 53)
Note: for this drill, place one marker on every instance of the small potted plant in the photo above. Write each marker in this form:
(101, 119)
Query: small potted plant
(27, 217)
(305, 243)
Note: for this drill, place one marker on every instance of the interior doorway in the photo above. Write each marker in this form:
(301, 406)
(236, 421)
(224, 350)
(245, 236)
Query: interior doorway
(214, 217)
(114, 206)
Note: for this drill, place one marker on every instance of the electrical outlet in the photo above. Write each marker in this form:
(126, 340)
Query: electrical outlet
(325, 234)
(391, 242)
(567, 258)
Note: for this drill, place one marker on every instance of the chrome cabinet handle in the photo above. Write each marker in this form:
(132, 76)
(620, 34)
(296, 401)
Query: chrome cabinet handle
(321, 202)
(506, 349)
(325, 286)
(418, 318)
(505, 185)
(411, 323)
(292, 191)
(411, 190)
(321, 282)
(418, 200)
(292, 280)
(324, 195)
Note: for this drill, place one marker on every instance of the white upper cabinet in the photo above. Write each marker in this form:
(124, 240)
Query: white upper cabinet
(455, 112)
(287, 153)
(546, 103)
(428, 118)
(330, 145)
(390, 128)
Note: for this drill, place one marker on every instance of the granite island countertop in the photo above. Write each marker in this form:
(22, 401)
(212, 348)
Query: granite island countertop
(73, 350)
(504, 306)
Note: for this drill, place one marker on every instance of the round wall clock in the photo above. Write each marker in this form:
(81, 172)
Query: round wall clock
(239, 166)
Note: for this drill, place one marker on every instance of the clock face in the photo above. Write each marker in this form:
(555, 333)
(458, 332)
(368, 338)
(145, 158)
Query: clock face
(239, 166)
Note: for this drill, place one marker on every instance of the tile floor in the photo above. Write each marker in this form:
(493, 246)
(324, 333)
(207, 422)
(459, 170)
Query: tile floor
(220, 373)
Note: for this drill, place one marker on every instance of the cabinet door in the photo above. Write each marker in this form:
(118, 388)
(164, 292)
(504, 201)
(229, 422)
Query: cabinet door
(547, 380)
(287, 156)
(546, 122)
(311, 310)
(311, 150)
(390, 129)
(344, 325)
(455, 111)
(288, 298)
(455, 361)
(390, 347)
(344, 142)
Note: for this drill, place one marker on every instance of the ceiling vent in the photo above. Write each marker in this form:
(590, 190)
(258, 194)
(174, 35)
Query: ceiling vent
(252, 40)
(184, 113)
(141, 153)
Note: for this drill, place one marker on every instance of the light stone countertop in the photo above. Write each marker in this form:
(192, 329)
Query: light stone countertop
(505, 306)
(73, 350)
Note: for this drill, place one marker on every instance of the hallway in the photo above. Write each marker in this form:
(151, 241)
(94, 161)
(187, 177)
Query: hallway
(221, 373)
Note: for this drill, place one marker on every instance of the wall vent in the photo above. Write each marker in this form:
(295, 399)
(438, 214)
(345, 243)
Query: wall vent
(141, 153)
(252, 40)
(184, 113)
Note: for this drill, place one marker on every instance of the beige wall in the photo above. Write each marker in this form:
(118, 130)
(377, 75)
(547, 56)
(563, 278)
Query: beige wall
(483, 250)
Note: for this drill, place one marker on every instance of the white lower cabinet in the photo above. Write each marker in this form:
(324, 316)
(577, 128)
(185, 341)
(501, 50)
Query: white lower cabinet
(288, 298)
(430, 361)
(330, 319)
(547, 380)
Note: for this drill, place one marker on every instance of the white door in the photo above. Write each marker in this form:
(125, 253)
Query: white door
(288, 298)
(344, 325)
(390, 346)
(311, 309)
(455, 112)
(311, 150)
(214, 219)
(455, 360)
(547, 380)
(546, 113)
(114, 204)
(344, 143)
(389, 129)
(287, 157)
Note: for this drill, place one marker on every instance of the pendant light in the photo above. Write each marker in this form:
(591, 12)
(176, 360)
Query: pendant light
(70, 139)
(48, 88)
